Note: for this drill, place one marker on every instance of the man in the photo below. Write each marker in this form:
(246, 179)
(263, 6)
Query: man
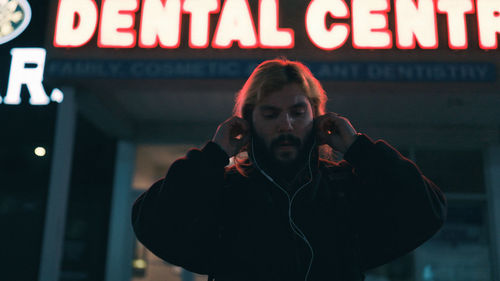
(281, 211)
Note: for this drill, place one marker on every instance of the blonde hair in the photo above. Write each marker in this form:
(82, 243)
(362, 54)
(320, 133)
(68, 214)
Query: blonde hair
(268, 77)
(271, 76)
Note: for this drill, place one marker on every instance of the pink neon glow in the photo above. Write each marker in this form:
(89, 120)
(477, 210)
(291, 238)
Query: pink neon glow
(488, 22)
(235, 24)
(270, 35)
(455, 11)
(117, 23)
(370, 26)
(416, 22)
(321, 36)
(160, 24)
(199, 25)
(66, 34)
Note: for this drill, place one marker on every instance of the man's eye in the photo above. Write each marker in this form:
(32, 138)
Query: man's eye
(270, 115)
(299, 112)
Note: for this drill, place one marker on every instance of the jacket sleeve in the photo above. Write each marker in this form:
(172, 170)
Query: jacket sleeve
(176, 218)
(396, 207)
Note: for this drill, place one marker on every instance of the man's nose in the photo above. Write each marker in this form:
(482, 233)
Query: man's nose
(285, 123)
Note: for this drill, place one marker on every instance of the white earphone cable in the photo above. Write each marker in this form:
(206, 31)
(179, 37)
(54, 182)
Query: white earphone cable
(292, 224)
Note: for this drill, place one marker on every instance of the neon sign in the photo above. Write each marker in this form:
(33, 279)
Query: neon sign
(27, 68)
(160, 23)
(15, 16)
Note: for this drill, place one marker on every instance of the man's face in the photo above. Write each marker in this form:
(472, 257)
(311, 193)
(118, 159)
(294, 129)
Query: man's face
(283, 121)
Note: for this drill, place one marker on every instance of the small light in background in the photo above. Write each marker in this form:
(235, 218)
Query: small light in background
(40, 151)
(427, 273)
(139, 264)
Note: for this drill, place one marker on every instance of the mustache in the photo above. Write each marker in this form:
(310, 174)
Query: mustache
(290, 139)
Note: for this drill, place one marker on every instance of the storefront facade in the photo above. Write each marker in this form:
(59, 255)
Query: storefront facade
(127, 86)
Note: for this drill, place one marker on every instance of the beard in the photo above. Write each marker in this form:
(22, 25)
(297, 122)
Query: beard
(284, 156)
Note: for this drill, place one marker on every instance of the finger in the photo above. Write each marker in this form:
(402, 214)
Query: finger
(327, 125)
(244, 139)
(319, 122)
(321, 138)
(333, 122)
(327, 116)
(238, 128)
(321, 134)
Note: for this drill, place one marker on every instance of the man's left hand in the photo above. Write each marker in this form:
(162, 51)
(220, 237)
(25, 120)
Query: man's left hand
(335, 130)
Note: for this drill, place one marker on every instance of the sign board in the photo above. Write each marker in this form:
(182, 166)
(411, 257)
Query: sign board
(325, 25)
(241, 69)
(27, 64)
(27, 68)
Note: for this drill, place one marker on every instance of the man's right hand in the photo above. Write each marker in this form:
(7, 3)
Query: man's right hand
(232, 134)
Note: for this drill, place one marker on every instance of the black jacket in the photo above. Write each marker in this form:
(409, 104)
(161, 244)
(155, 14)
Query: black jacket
(356, 214)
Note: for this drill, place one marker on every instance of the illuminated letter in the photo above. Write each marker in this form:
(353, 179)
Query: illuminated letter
(66, 33)
(160, 21)
(416, 23)
(235, 24)
(117, 23)
(270, 35)
(319, 34)
(488, 20)
(369, 24)
(457, 28)
(200, 20)
(32, 77)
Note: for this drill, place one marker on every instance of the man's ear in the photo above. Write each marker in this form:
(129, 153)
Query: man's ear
(247, 115)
